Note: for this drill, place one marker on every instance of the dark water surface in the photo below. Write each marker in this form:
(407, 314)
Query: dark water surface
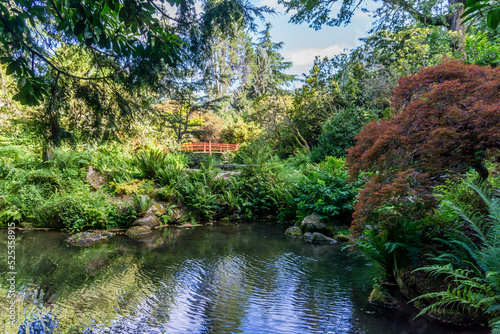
(245, 278)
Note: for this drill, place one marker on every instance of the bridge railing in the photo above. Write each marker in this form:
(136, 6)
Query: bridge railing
(210, 147)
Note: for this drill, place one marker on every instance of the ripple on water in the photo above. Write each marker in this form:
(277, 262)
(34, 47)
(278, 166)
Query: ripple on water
(233, 280)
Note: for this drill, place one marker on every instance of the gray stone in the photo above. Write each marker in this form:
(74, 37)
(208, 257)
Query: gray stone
(150, 221)
(88, 238)
(307, 235)
(177, 214)
(319, 237)
(138, 230)
(293, 232)
(314, 223)
(156, 209)
(380, 297)
(95, 178)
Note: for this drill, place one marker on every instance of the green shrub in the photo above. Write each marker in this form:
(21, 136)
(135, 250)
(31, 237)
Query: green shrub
(397, 246)
(114, 160)
(72, 159)
(133, 186)
(173, 169)
(199, 197)
(338, 134)
(142, 203)
(326, 190)
(74, 211)
(149, 161)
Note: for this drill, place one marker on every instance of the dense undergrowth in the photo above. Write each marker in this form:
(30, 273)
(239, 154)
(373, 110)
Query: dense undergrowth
(57, 194)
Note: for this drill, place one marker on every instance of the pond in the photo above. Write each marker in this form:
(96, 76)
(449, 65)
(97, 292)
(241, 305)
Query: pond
(245, 278)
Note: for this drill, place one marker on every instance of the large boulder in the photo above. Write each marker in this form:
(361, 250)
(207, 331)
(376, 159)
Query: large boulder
(138, 230)
(321, 238)
(314, 223)
(95, 178)
(150, 221)
(294, 232)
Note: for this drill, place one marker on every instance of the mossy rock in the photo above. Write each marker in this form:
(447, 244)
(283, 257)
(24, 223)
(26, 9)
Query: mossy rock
(314, 223)
(380, 297)
(138, 230)
(150, 221)
(342, 237)
(156, 209)
(86, 239)
(294, 232)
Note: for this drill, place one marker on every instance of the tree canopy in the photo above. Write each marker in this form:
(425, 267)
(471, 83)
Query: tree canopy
(391, 14)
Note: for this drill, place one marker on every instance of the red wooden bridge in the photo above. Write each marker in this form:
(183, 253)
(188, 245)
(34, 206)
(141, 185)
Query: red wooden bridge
(210, 148)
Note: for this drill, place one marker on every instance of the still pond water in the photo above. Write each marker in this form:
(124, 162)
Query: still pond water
(245, 278)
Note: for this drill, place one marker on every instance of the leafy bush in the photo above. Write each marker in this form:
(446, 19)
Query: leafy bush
(482, 49)
(128, 188)
(326, 190)
(338, 134)
(241, 132)
(64, 160)
(199, 196)
(75, 211)
(115, 161)
(142, 203)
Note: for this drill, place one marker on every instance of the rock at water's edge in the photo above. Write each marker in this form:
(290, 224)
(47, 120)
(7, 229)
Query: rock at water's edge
(88, 238)
(380, 297)
(150, 221)
(138, 230)
(314, 223)
(293, 232)
(319, 237)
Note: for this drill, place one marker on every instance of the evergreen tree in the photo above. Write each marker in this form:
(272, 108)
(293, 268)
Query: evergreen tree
(270, 66)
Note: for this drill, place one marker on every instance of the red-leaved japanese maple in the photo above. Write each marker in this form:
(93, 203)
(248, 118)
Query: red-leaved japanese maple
(447, 120)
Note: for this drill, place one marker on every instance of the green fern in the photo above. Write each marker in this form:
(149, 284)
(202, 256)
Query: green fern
(471, 266)
(149, 161)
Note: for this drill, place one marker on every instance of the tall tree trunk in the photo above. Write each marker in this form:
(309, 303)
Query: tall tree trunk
(455, 22)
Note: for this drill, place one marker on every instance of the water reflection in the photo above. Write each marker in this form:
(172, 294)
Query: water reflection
(220, 279)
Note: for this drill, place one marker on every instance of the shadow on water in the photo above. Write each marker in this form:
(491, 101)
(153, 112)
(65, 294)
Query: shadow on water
(245, 278)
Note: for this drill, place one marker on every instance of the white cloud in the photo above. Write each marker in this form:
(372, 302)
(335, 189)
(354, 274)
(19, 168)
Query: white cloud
(305, 56)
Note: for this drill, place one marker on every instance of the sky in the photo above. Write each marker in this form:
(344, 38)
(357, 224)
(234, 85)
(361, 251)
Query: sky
(302, 44)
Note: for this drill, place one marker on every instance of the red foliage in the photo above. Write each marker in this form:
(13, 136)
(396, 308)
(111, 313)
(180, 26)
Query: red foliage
(447, 120)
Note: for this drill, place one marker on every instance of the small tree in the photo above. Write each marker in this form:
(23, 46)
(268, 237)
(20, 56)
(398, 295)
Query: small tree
(447, 121)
